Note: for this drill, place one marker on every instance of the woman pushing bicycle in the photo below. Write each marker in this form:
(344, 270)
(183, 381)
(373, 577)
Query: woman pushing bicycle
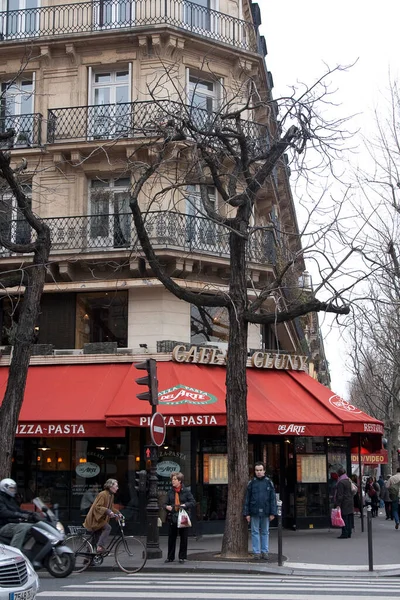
(100, 513)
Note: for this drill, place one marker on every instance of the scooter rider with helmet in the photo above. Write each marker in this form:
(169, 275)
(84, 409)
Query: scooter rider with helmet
(12, 519)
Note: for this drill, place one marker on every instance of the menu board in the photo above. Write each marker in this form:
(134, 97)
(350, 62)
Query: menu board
(311, 468)
(216, 468)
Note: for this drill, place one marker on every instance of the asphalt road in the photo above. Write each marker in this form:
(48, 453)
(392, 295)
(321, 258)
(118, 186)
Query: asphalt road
(207, 586)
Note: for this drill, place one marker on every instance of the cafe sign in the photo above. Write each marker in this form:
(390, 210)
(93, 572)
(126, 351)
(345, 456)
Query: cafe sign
(258, 360)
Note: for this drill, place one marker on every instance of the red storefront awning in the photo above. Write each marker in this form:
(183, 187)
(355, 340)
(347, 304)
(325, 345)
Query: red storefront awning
(279, 403)
(68, 400)
(353, 419)
(100, 400)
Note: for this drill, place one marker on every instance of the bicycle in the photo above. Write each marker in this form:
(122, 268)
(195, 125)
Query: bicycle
(130, 553)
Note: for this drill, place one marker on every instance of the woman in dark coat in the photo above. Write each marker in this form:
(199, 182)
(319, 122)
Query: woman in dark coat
(372, 489)
(178, 497)
(344, 500)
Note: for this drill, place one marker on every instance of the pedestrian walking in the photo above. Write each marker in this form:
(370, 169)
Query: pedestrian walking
(386, 499)
(345, 501)
(373, 490)
(259, 509)
(178, 497)
(394, 487)
(356, 497)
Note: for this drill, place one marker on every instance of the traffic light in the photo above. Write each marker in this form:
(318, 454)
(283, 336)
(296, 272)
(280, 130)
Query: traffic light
(150, 380)
(141, 481)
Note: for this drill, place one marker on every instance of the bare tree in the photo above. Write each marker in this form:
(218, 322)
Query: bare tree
(376, 334)
(375, 360)
(190, 148)
(30, 280)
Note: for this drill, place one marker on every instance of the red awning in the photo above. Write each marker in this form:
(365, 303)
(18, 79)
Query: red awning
(278, 403)
(68, 400)
(354, 420)
(188, 395)
(100, 400)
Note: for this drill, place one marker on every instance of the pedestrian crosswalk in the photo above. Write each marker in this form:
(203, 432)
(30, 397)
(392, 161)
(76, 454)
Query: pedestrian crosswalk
(206, 586)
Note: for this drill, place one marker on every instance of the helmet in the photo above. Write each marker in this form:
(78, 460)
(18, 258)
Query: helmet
(8, 486)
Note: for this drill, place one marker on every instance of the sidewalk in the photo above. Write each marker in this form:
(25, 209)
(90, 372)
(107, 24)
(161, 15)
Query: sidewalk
(305, 552)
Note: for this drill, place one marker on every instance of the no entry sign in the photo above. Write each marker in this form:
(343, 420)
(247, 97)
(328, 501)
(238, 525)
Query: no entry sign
(158, 429)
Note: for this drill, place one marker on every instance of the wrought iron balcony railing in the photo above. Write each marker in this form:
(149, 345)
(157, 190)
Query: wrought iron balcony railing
(166, 229)
(28, 129)
(112, 15)
(140, 119)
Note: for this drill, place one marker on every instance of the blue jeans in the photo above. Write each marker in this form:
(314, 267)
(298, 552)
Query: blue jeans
(395, 510)
(259, 531)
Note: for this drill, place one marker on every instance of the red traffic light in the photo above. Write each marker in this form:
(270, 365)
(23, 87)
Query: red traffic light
(150, 380)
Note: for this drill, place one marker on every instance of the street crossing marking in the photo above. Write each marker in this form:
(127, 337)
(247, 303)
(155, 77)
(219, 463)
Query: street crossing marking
(230, 587)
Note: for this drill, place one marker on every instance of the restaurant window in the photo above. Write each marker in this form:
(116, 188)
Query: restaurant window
(269, 338)
(102, 317)
(69, 472)
(212, 474)
(337, 459)
(208, 324)
(56, 323)
(311, 498)
(11, 306)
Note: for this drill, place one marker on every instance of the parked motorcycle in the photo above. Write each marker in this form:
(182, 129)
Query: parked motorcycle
(44, 545)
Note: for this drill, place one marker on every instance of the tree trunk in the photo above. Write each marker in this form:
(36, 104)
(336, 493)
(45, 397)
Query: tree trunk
(235, 540)
(13, 398)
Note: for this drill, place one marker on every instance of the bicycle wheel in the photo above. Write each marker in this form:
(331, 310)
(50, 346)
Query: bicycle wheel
(130, 554)
(83, 552)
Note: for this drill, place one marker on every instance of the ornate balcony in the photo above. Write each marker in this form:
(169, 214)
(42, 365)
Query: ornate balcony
(113, 15)
(28, 130)
(137, 120)
(167, 230)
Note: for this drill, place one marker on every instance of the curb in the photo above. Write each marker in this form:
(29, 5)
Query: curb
(242, 568)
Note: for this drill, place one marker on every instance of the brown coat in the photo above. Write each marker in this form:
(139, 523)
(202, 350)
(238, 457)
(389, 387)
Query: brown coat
(97, 516)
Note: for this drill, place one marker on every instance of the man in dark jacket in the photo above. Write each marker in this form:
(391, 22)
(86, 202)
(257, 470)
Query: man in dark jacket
(259, 509)
(11, 515)
(344, 500)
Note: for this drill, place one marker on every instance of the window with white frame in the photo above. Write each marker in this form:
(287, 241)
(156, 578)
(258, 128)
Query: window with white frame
(200, 16)
(109, 97)
(16, 109)
(110, 215)
(203, 96)
(114, 14)
(20, 19)
(13, 226)
(201, 230)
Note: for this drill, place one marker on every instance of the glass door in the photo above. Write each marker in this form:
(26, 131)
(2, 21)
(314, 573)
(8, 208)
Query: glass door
(16, 110)
(110, 116)
(201, 231)
(21, 19)
(110, 216)
(113, 14)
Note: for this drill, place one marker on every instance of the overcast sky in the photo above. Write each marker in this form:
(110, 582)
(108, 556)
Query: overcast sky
(301, 37)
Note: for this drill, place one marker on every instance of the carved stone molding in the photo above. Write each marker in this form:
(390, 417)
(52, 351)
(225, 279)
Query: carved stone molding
(71, 52)
(45, 54)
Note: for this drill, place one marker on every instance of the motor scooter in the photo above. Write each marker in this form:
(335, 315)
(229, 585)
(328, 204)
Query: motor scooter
(44, 545)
